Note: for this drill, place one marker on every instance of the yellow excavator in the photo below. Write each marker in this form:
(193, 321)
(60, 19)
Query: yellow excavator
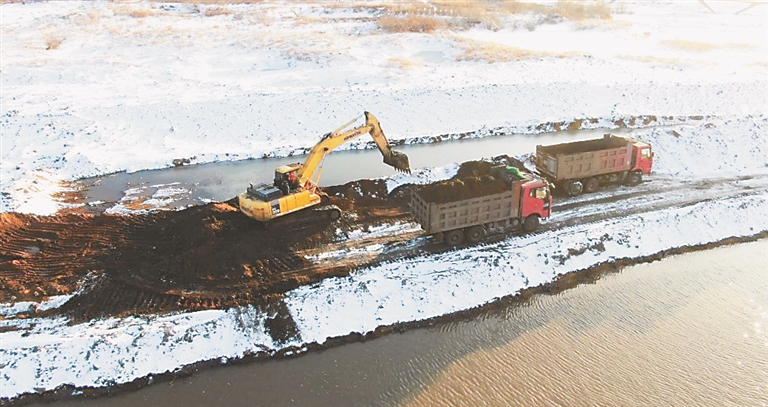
(295, 185)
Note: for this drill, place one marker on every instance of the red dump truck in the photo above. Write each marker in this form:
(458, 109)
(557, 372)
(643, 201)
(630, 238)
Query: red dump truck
(582, 166)
(454, 218)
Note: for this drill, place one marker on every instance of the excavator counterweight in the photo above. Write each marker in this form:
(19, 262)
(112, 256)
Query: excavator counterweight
(295, 186)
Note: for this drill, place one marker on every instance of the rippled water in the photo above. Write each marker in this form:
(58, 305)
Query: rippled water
(690, 330)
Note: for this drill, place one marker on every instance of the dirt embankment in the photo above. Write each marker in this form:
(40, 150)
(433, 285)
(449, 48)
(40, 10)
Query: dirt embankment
(209, 256)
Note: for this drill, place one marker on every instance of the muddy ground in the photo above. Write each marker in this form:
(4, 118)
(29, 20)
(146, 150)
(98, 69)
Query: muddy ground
(208, 256)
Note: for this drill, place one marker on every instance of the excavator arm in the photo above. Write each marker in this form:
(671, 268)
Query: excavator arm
(295, 185)
(391, 157)
(310, 170)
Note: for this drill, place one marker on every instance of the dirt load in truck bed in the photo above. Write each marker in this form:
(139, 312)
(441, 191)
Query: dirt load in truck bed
(461, 189)
(473, 180)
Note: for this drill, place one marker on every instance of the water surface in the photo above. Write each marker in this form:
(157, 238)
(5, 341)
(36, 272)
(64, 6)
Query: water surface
(195, 184)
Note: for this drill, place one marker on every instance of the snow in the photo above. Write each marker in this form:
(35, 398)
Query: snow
(715, 147)
(13, 309)
(133, 202)
(126, 93)
(422, 176)
(109, 351)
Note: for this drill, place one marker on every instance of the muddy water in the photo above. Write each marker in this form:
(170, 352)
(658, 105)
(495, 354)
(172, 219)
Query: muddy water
(690, 330)
(196, 184)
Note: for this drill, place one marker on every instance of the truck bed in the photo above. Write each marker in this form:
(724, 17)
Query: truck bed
(441, 217)
(584, 159)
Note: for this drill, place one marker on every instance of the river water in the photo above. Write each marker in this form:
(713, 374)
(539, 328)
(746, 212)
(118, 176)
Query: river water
(689, 330)
(195, 184)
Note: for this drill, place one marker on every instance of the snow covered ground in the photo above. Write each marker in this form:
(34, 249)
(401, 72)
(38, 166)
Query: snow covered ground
(91, 88)
(123, 92)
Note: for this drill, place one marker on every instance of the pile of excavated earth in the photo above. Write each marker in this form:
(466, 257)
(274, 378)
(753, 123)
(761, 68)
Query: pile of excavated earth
(474, 179)
(208, 256)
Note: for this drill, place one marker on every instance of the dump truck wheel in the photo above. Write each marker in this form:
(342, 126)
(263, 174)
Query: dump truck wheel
(633, 179)
(454, 237)
(475, 234)
(591, 185)
(531, 223)
(574, 188)
(334, 214)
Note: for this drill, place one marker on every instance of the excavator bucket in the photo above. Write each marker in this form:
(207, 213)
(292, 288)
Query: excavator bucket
(399, 161)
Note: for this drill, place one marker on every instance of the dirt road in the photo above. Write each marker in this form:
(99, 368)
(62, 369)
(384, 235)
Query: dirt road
(212, 256)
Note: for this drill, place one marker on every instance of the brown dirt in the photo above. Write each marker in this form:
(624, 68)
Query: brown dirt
(209, 256)
(458, 189)
(472, 180)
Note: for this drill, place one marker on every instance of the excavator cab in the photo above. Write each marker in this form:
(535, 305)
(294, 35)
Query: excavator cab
(286, 178)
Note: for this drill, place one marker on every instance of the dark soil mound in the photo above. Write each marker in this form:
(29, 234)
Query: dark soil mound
(474, 169)
(473, 180)
(363, 194)
(460, 189)
(480, 168)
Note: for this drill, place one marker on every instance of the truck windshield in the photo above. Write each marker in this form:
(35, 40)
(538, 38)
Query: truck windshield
(540, 193)
(646, 153)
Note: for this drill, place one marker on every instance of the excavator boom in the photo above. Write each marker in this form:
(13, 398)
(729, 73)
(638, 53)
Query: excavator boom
(338, 137)
(295, 185)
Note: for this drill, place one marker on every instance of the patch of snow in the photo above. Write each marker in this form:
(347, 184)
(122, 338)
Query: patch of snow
(268, 79)
(422, 176)
(719, 147)
(381, 230)
(149, 198)
(12, 309)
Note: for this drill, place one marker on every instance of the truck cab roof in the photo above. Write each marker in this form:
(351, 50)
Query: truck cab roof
(641, 144)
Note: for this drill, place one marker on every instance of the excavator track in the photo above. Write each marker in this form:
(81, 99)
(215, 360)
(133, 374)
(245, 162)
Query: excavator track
(320, 215)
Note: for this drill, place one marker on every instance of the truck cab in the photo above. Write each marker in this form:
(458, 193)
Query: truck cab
(536, 199)
(642, 157)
